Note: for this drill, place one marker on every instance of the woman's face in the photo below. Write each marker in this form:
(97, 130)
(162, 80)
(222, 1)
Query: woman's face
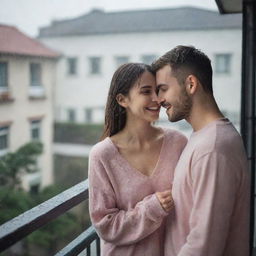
(141, 102)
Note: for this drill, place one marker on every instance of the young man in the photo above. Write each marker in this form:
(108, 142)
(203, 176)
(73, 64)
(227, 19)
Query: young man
(211, 183)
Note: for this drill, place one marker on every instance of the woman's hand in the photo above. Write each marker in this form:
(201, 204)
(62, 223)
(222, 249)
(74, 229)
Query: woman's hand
(165, 199)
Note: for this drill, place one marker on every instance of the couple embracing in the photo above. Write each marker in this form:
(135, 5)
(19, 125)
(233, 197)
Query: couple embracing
(152, 192)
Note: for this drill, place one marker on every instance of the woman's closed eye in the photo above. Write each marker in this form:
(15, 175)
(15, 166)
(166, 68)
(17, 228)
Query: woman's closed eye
(146, 92)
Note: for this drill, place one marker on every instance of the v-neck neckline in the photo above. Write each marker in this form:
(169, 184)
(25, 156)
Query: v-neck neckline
(135, 170)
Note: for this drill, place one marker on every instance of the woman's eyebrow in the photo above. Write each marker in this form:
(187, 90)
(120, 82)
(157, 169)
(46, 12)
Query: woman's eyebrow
(146, 87)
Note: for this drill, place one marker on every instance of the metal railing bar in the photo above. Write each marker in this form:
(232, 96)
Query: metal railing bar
(80, 243)
(88, 251)
(24, 224)
(98, 246)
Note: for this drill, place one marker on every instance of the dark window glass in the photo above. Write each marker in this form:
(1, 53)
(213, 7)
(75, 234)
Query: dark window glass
(95, 65)
(72, 66)
(35, 74)
(223, 63)
(3, 75)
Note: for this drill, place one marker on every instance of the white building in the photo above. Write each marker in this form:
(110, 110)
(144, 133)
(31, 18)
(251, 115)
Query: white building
(95, 44)
(27, 78)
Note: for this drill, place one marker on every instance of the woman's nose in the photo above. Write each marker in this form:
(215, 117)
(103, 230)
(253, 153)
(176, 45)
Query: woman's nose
(160, 100)
(154, 97)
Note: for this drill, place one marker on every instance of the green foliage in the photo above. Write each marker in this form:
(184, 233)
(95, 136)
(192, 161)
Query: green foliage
(69, 171)
(24, 159)
(13, 203)
(57, 230)
(77, 133)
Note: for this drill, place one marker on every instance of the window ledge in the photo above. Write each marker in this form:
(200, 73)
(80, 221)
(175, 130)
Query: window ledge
(5, 97)
(33, 97)
(36, 92)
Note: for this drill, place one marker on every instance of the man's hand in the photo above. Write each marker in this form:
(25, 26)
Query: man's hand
(166, 200)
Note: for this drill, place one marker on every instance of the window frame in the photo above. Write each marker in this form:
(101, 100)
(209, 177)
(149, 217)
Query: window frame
(92, 69)
(5, 131)
(152, 58)
(124, 59)
(35, 69)
(70, 112)
(223, 63)
(5, 79)
(36, 124)
(88, 115)
(72, 66)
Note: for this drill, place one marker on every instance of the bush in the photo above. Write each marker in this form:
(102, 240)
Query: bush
(69, 171)
(77, 133)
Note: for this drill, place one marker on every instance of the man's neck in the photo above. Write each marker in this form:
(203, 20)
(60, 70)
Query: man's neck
(203, 114)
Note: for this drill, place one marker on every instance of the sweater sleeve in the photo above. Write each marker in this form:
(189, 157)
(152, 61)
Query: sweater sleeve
(115, 225)
(214, 192)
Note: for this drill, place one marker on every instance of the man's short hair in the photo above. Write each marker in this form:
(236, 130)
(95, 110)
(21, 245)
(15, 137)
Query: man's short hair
(185, 61)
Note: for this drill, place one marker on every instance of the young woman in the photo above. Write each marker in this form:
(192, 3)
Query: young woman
(131, 169)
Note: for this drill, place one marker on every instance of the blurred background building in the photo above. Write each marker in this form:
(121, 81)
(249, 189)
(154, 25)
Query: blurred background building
(95, 44)
(54, 88)
(27, 80)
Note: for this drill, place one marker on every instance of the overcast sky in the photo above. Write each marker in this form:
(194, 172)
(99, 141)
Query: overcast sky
(30, 15)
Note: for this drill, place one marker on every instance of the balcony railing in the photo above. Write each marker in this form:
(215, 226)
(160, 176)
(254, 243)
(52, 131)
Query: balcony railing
(24, 224)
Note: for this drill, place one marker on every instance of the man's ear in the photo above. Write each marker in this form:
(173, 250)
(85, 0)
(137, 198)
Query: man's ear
(192, 84)
(121, 100)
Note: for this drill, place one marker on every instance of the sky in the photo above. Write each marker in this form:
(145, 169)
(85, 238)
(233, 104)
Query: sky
(30, 15)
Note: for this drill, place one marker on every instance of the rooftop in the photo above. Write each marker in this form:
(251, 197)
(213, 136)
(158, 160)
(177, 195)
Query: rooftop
(13, 41)
(99, 22)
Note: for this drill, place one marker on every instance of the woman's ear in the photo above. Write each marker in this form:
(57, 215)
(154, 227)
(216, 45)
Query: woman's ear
(191, 84)
(121, 100)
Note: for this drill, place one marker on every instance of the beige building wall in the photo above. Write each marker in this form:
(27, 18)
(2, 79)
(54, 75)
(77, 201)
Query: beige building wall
(23, 107)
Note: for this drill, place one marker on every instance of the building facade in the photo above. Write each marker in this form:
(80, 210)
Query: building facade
(27, 79)
(95, 44)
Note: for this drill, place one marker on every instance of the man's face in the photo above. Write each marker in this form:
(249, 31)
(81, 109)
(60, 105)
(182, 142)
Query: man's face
(172, 95)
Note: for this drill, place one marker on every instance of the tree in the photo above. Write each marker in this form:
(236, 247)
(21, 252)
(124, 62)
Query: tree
(14, 200)
(14, 163)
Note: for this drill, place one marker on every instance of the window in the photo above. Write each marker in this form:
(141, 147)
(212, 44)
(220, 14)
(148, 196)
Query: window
(120, 60)
(34, 179)
(35, 127)
(223, 63)
(3, 77)
(4, 140)
(36, 90)
(88, 115)
(72, 66)
(95, 65)
(71, 115)
(35, 74)
(148, 59)
(34, 189)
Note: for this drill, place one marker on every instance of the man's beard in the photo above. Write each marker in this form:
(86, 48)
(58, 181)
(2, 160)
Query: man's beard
(181, 108)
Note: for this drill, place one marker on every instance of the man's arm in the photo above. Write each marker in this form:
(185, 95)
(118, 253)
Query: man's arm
(215, 184)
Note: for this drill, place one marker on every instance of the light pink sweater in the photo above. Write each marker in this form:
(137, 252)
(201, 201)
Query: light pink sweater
(123, 206)
(211, 195)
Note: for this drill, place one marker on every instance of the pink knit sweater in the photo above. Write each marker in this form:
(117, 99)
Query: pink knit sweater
(123, 205)
(211, 196)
